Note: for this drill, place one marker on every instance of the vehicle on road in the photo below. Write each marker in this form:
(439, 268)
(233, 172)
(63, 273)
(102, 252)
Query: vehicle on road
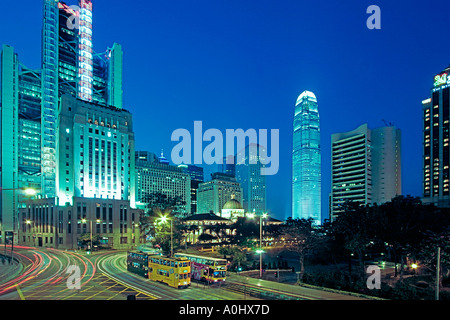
(206, 269)
(173, 271)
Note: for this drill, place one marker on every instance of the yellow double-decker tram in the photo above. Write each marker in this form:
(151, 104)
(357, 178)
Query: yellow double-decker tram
(175, 271)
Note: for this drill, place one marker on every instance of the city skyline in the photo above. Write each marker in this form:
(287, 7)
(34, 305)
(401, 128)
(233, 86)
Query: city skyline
(253, 65)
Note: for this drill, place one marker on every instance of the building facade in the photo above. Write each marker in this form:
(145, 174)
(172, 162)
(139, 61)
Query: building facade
(436, 136)
(95, 152)
(153, 176)
(197, 177)
(212, 195)
(30, 99)
(306, 159)
(253, 183)
(44, 223)
(366, 166)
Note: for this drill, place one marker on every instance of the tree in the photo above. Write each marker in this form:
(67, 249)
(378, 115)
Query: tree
(406, 221)
(246, 230)
(302, 237)
(358, 226)
(427, 252)
(154, 229)
(85, 239)
(237, 255)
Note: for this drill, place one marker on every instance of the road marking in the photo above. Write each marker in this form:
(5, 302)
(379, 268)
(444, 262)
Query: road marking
(20, 293)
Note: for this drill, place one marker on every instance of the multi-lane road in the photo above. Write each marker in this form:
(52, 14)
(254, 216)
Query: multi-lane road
(50, 274)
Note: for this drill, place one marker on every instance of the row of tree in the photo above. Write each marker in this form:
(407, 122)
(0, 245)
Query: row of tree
(400, 229)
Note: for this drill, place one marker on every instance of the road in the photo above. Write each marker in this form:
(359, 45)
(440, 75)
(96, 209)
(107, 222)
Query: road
(50, 274)
(43, 274)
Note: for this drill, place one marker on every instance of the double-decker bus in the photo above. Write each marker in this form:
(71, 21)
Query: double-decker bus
(176, 271)
(206, 269)
(137, 262)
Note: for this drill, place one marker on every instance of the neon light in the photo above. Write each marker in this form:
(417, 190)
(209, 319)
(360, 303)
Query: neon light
(85, 57)
(441, 79)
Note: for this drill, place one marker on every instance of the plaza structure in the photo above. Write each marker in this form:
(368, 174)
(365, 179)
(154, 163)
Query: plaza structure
(306, 159)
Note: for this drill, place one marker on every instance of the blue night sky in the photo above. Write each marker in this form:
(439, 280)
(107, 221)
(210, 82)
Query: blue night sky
(241, 64)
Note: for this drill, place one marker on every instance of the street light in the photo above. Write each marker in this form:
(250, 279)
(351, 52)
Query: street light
(163, 220)
(260, 251)
(90, 227)
(414, 266)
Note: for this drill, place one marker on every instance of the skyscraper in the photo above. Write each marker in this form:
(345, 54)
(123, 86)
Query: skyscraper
(253, 183)
(95, 152)
(306, 161)
(436, 136)
(366, 166)
(30, 99)
(196, 174)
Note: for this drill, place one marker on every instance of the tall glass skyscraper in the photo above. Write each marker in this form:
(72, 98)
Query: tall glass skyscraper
(30, 100)
(306, 173)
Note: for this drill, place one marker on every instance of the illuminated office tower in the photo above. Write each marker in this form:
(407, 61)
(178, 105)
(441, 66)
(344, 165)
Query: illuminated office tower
(436, 136)
(306, 161)
(71, 66)
(9, 119)
(366, 166)
(30, 98)
(49, 104)
(20, 131)
(95, 152)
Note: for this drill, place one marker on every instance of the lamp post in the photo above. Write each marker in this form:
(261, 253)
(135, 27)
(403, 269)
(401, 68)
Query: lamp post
(414, 267)
(260, 251)
(164, 221)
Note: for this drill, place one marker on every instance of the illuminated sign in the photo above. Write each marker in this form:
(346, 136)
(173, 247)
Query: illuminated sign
(85, 57)
(441, 79)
